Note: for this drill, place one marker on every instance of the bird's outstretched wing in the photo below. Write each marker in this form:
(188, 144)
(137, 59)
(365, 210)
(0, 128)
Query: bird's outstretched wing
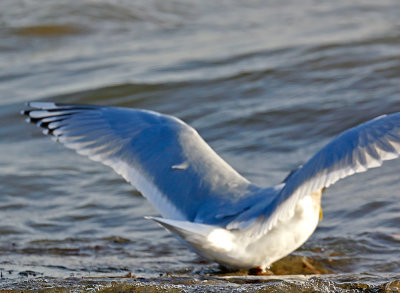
(164, 158)
(354, 151)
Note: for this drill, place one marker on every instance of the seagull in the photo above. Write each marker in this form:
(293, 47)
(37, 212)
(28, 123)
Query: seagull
(202, 200)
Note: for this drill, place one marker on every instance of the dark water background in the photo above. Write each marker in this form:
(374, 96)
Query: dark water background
(266, 83)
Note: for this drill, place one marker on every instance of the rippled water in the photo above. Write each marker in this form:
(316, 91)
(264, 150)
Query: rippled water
(266, 83)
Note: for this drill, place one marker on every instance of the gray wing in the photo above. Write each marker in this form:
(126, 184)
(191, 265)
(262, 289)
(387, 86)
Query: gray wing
(354, 151)
(164, 158)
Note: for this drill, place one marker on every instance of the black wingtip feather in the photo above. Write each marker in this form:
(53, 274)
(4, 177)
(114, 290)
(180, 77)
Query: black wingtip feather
(49, 108)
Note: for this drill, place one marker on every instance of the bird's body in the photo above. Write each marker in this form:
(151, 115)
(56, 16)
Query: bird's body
(239, 249)
(204, 201)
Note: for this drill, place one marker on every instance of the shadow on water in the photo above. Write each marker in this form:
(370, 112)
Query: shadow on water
(48, 31)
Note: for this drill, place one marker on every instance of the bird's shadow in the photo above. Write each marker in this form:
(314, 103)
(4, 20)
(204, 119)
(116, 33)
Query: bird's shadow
(290, 265)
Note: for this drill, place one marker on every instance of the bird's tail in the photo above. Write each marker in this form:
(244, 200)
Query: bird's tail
(205, 239)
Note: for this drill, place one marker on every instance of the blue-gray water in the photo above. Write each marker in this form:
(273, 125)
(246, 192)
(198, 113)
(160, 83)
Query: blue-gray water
(266, 83)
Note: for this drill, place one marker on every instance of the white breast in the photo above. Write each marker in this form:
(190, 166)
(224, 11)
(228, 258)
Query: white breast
(288, 235)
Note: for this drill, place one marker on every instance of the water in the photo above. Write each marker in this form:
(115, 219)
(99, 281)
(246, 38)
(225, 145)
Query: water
(265, 83)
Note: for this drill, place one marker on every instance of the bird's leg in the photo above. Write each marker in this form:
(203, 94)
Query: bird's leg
(258, 271)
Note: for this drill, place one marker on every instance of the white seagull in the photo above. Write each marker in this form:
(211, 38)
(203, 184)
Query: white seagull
(202, 200)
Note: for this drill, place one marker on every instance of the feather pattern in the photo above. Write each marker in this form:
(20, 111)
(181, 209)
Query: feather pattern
(164, 158)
